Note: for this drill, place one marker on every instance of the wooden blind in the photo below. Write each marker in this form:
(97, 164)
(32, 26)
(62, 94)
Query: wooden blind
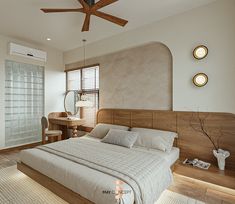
(74, 80)
(86, 81)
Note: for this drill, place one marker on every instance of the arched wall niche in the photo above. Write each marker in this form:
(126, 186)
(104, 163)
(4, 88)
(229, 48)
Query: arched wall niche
(135, 78)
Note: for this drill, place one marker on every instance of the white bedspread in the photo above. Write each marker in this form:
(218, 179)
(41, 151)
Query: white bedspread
(98, 186)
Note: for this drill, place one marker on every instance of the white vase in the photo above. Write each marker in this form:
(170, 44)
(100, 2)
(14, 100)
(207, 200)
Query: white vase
(221, 155)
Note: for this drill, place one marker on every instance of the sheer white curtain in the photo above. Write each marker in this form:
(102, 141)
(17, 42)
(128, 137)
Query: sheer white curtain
(24, 102)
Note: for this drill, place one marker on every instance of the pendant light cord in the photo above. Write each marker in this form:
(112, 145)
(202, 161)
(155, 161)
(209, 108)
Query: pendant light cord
(84, 52)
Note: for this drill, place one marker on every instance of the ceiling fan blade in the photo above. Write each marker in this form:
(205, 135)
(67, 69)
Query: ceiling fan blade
(45, 10)
(84, 4)
(111, 18)
(86, 24)
(102, 3)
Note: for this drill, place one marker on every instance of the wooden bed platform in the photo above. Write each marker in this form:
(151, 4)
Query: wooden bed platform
(55, 187)
(58, 189)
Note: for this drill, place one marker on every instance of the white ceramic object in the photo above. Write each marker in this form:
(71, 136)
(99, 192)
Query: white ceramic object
(221, 155)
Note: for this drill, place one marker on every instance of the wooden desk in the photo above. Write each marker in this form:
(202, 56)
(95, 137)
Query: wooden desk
(63, 121)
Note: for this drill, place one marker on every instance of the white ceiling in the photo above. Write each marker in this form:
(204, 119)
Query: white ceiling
(23, 19)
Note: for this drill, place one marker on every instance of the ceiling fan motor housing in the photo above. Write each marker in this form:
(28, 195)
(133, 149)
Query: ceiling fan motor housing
(90, 2)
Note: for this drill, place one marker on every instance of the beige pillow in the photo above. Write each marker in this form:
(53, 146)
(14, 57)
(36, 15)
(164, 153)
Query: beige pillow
(101, 130)
(155, 139)
(120, 137)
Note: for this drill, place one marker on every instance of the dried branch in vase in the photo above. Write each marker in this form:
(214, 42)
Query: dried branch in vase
(198, 124)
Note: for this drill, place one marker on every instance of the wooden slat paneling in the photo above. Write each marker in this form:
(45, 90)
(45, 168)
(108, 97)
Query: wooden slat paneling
(192, 144)
(122, 117)
(142, 119)
(165, 120)
(105, 116)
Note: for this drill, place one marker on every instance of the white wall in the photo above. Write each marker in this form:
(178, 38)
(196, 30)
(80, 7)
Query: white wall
(54, 78)
(212, 25)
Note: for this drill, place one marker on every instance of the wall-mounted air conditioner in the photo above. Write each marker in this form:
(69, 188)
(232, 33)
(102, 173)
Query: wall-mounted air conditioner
(19, 50)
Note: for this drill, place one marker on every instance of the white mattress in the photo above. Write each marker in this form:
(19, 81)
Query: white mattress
(171, 157)
(87, 182)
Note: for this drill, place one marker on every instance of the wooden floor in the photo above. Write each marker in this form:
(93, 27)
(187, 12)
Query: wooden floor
(8, 159)
(208, 193)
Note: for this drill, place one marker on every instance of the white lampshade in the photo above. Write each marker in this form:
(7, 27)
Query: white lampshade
(81, 104)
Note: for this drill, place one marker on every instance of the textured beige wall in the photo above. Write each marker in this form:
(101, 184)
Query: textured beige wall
(137, 78)
(212, 25)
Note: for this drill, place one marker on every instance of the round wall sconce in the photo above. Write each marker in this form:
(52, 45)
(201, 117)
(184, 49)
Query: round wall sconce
(200, 79)
(200, 52)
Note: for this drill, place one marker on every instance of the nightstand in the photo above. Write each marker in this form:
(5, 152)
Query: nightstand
(213, 175)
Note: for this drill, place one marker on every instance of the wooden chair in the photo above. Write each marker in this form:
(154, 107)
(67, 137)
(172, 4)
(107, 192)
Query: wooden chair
(49, 135)
(53, 126)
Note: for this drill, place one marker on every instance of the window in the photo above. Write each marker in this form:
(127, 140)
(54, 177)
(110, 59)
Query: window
(86, 81)
(24, 103)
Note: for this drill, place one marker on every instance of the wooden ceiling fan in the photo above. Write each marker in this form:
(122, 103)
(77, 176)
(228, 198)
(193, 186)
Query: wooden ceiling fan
(90, 7)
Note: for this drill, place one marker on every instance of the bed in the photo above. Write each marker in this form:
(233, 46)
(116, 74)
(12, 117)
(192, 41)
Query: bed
(91, 184)
(86, 170)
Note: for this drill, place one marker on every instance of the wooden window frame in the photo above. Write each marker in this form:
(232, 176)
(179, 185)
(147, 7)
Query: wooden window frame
(91, 91)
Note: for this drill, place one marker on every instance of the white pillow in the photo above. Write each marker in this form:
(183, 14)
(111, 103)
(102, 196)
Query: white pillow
(101, 130)
(155, 139)
(120, 137)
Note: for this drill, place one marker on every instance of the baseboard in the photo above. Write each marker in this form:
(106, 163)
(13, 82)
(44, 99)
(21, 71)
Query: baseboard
(25, 146)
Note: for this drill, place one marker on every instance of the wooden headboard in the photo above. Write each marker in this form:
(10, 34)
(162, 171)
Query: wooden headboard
(192, 144)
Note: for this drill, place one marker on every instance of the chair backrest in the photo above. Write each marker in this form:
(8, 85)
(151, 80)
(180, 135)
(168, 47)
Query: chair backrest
(44, 123)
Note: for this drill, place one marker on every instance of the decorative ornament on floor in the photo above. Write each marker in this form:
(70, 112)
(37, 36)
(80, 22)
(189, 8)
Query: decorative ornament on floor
(90, 7)
(198, 124)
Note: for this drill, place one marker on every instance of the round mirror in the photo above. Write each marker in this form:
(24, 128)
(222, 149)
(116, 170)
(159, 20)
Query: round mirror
(70, 100)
